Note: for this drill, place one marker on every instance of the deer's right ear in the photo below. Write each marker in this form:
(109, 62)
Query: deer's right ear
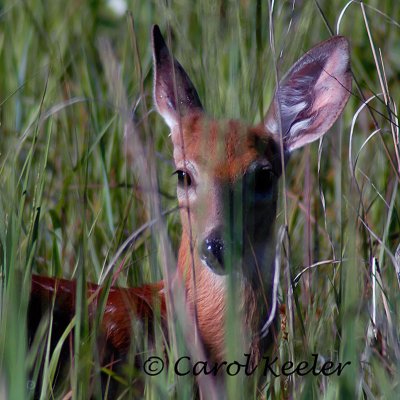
(174, 93)
(312, 95)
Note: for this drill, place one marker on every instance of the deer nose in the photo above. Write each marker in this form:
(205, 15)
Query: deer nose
(212, 252)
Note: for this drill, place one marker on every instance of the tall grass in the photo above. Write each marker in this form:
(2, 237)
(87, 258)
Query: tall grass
(85, 162)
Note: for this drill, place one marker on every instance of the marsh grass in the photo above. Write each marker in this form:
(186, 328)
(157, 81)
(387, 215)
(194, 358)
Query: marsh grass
(85, 161)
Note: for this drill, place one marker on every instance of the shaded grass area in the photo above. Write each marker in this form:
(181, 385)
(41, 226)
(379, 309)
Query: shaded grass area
(85, 161)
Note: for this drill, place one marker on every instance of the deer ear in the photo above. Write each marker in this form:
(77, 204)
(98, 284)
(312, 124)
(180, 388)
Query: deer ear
(174, 98)
(312, 94)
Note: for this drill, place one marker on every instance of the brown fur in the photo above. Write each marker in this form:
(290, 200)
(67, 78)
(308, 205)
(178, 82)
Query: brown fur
(123, 306)
(224, 148)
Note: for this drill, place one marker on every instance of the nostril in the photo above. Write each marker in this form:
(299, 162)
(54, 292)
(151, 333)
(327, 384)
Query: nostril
(213, 253)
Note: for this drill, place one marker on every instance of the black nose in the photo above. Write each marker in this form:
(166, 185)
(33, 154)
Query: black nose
(212, 252)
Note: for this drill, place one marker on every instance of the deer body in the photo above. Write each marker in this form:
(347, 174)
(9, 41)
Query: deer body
(227, 190)
(123, 305)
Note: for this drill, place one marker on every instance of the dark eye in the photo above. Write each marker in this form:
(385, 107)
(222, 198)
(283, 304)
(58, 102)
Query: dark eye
(264, 180)
(184, 179)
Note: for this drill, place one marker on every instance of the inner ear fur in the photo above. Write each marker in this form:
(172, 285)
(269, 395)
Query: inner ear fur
(312, 95)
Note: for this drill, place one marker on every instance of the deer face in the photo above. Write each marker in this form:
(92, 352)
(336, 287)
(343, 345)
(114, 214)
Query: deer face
(227, 171)
(227, 178)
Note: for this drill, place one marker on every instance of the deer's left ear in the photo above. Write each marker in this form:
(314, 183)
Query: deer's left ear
(312, 94)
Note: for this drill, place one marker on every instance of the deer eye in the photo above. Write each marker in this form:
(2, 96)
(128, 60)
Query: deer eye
(184, 179)
(263, 180)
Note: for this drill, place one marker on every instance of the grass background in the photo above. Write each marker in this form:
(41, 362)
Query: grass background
(73, 187)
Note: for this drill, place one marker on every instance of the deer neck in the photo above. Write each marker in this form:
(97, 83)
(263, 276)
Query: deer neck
(207, 298)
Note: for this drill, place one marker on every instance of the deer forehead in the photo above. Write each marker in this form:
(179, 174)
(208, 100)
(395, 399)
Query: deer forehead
(224, 149)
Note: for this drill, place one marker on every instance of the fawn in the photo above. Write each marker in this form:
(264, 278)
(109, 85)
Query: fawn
(227, 186)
